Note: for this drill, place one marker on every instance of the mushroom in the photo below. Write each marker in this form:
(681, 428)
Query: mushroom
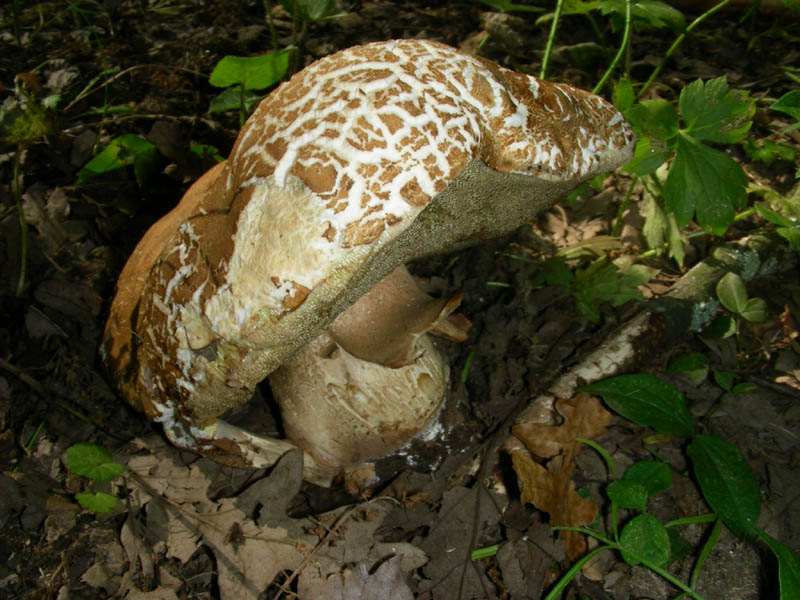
(365, 160)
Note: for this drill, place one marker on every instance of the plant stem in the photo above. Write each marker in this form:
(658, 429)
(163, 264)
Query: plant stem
(626, 39)
(551, 39)
(272, 32)
(623, 206)
(677, 43)
(23, 226)
(611, 545)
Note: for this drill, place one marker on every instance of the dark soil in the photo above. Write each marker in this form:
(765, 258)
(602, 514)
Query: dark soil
(461, 494)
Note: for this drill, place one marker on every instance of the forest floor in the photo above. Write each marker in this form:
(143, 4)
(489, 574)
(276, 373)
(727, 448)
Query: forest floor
(186, 527)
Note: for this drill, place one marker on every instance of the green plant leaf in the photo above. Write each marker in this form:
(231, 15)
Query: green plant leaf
(692, 364)
(714, 113)
(627, 494)
(228, 99)
(722, 327)
(645, 400)
(678, 546)
(654, 477)
(624, 96)
(789, 103)
(704, 181)
(646, 14)
(727, 483)
(654, 118)
(646, 537)
(649, 154)
(96, 502)
(755, 310)
(252, 72)
(206, 152)
(92, 461)
(732, 292)
(725, 379)
(743, 388)
(312, 11)
(788, 566)
(123, 151)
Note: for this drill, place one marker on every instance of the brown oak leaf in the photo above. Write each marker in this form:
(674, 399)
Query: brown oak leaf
(551, 488)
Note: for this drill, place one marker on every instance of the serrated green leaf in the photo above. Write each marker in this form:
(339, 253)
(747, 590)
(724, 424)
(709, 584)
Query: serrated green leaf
(714, 113)
(654, 477)
(647, 538)
(649, 154)
(92, 461)
(96, 502)
(727, 483)
(705, 182)
(645, 14)
(627, 494)
(788, 567)
(732, 292)
(654, 118)
(252, 72)
(645, 400)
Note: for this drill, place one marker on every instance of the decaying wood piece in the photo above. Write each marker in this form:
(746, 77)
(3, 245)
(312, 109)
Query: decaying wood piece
(687, 308)
(365, 160)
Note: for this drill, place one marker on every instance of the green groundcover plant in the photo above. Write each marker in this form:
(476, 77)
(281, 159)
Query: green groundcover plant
(722, 473)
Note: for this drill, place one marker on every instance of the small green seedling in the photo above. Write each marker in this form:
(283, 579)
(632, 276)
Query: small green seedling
(602, 281)
(123, 151)
(725, 479)
(241, 75)
(94, 462)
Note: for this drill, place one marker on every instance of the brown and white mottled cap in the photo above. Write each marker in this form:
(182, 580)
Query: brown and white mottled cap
(364, 160)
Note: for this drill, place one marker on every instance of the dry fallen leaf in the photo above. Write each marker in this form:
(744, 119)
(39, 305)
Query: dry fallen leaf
(551, 488)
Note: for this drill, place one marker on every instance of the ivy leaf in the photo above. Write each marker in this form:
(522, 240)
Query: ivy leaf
(714, 113)
(704, 181)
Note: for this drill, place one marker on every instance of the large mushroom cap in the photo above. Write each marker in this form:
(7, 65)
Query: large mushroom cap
(364, 160)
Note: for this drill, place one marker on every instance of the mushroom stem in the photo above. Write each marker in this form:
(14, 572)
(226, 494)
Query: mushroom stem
(373, 380)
